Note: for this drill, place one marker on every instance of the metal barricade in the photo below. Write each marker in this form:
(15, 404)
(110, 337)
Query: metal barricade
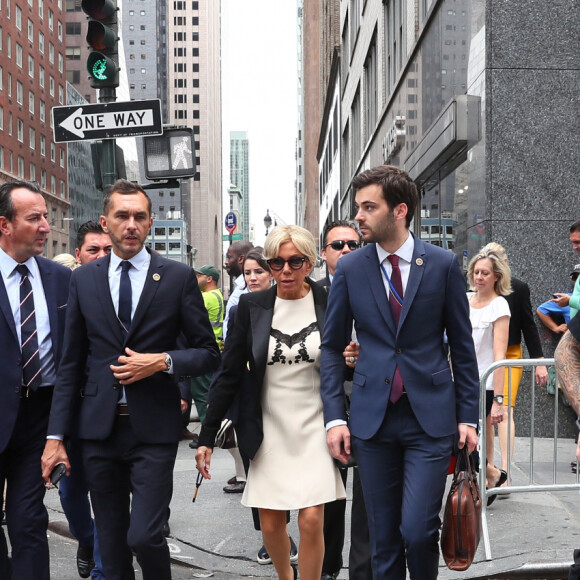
(531, 486)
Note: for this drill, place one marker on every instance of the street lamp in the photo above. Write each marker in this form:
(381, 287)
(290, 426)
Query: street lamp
(267, 221)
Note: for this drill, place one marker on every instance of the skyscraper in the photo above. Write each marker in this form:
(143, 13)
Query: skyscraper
(240, 177)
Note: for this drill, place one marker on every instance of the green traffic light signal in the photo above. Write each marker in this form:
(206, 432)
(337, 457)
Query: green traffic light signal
(102, 37)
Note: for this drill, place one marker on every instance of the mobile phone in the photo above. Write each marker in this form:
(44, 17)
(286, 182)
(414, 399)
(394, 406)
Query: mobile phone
(555, 296)
(57, 473)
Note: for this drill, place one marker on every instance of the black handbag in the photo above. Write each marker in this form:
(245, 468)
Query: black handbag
(462, 517)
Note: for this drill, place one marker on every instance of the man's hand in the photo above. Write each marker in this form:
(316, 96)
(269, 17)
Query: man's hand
(136, 366)
(467, 436)
(542, 376)
(561, 299)
(338, 441)
(54, 453)
(497, 413)
(203, 460)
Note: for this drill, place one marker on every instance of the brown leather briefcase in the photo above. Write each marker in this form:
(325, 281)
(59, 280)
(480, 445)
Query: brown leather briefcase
(462, 517)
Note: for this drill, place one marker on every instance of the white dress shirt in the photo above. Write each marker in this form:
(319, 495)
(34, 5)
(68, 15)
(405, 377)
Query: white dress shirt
(405, 253)
(11, 280)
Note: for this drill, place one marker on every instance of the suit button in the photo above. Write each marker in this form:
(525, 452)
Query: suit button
(399, 351)
(387, 381)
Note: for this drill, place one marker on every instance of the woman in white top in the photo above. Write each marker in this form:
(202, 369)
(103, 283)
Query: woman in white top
(490, 279)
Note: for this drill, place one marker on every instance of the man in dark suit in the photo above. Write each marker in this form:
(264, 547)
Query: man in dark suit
(126, 312)
(33, 299)
(339, 239)
(406, 406)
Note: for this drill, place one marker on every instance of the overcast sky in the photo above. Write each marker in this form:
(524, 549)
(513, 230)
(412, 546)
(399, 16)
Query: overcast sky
(259, 95)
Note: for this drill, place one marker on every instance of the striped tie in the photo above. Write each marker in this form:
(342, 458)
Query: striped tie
(396, 308)
(28, 335)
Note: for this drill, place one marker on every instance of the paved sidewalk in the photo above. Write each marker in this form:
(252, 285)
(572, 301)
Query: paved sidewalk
(215, 534)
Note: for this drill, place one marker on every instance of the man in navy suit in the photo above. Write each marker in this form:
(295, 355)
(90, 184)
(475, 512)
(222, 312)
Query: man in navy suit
(125, 314)
(406, 406)
(25, 397)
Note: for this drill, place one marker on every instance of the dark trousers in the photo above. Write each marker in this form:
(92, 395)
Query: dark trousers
(403, 473)
(74, 499)
(20, 468)
(116, 468)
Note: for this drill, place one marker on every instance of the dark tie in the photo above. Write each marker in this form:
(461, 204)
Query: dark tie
(31, 376)
(396, 304)
(125, 296)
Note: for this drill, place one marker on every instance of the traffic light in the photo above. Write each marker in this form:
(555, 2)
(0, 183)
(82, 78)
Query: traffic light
(171, 155)
(102, 38)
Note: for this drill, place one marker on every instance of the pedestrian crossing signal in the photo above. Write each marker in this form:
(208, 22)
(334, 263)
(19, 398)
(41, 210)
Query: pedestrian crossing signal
(171, 155)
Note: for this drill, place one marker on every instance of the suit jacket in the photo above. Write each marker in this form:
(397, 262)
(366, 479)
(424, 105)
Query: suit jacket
(247, 347)
(522, 319)
(170, 304)
(434, 302)
(55, 280)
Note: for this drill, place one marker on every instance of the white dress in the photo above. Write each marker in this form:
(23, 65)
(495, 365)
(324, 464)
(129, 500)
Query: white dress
(293, 468)
(482, 320)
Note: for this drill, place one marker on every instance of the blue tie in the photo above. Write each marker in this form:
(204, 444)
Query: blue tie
(31, 376)
(396, 308)
(125, 297)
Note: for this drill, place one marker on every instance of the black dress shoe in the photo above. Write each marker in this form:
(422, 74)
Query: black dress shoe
(237, 487)
(194, 443)
(85, 562)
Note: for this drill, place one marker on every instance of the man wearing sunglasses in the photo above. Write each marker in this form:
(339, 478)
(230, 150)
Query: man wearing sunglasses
(340, 238)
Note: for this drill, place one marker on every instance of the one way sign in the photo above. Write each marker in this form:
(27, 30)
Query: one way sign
(107, 120)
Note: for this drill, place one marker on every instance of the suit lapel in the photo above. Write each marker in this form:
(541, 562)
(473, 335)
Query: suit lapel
(104, 294)
(48, 283)
(6, 310)
(415, 277)
(375, 277)
(261, 314)
(152, 282)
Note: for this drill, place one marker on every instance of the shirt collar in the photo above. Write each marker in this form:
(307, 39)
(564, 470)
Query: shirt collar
(8, 263)
(405, 252)
(240, 282)
(138, 261)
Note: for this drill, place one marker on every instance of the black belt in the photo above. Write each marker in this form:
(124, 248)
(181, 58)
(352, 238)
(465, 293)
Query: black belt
(122, 410)
(25, 391)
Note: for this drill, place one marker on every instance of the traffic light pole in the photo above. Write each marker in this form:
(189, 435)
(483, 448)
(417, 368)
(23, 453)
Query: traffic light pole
(107, 95)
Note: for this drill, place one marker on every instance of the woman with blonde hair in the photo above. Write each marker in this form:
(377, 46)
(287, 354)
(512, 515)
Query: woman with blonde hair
(490, 280)
(281, 426)
(521, 322)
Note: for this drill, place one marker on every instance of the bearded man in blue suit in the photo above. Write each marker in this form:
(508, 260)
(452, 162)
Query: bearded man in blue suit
(407, 405)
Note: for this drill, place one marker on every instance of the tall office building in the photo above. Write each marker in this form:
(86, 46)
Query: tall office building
(32, 81)
(240, 177)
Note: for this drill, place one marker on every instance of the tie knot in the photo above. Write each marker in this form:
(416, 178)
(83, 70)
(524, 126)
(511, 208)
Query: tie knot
(125, 265)
(394, 259)
(22, 269)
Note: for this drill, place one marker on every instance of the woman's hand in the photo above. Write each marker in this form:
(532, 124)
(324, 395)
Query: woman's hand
(203, 460)
(351, 353)
(497, 413)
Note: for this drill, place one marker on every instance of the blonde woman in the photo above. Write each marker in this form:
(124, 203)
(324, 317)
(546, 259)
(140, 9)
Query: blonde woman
(281, 427)
(490, 280)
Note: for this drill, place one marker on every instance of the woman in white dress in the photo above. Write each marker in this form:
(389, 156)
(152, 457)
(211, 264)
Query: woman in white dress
(281, 426)
(490, 279)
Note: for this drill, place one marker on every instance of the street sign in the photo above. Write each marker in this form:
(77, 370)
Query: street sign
(234, 237)
(107, 120)
(231, 222)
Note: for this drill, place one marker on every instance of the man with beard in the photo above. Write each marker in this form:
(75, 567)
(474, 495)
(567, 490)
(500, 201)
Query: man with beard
(234, 262)
(403, 295)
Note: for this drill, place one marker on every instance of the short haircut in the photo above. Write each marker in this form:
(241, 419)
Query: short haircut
(503, 285)
(240, 248)
(496, 248)
(90, 227)
(123, 187)
(338, 224)
(257, 257)
(6, 206)
(66, 260)
(575, 227)
(300, 237)
(396, 185)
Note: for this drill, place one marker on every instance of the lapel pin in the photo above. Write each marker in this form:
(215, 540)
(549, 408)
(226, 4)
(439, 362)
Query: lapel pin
(419, 261)
(156, 277)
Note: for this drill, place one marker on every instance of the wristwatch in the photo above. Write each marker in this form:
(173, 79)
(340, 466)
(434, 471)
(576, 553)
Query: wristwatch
(498, 399)
(168, 360)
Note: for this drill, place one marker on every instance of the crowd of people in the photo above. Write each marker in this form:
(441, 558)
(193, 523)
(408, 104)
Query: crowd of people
(106, 351)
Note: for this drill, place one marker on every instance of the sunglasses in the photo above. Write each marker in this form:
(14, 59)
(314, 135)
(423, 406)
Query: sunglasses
(295, 263)
(339, 244)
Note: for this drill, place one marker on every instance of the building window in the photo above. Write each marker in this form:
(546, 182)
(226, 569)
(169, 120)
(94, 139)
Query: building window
(42, 109)
(41, 42)
(61, 155)
(19, 55)
(73, 28)
(31, 66)
(41, 76)
(18, 17)
(32, 138)
(43, 146)
(50, 19)
(51, 53)
(51, 85)
(32, 172)
(19, 92)
(20, 166)
(43, 178)
(52, 152)
(371, 94)
(30, 30)
(31, 102)
(59, 30)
